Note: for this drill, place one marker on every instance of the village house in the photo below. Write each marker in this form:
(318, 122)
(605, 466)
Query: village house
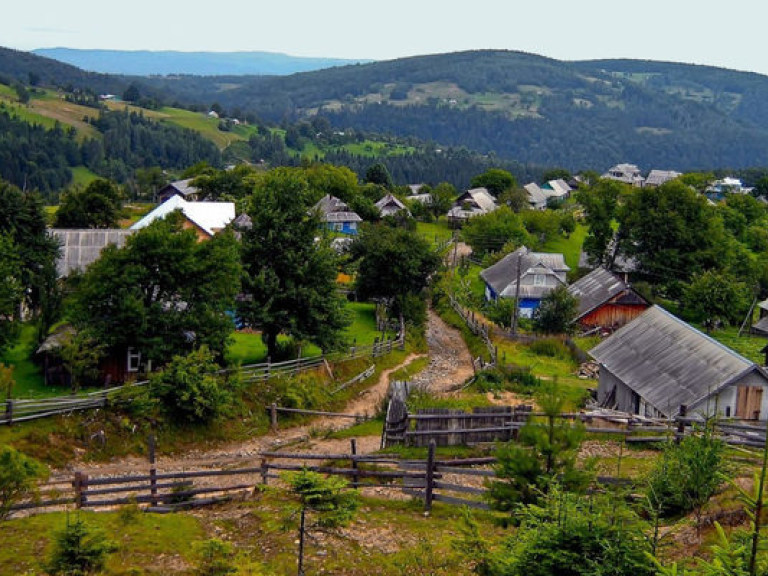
(205, 218)
(390, 205)
(538, 273)
(182, 188)
(556, 190)
(336, 215)
(657, 363)
(81, 247)
(474, 202)
(658, 177)
(605, 301)
(761, 326)
(627, 173)
(537, 198)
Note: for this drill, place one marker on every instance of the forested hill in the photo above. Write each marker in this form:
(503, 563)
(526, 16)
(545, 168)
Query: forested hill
(145, 62)
(522, 107)
(526, 107)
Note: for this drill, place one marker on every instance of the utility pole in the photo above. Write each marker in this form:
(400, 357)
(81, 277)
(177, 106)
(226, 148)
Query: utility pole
(516, 310)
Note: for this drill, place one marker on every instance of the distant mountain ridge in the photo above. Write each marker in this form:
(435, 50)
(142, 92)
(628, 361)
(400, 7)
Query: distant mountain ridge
(165, 62)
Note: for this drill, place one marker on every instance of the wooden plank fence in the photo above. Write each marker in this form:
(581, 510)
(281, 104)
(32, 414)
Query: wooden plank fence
(478, 328)
(21, 410)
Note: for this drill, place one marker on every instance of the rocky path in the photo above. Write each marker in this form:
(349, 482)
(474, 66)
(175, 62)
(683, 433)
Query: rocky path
(450, 364)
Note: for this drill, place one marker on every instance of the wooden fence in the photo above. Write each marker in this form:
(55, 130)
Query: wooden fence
(21, 410)
(478, 328)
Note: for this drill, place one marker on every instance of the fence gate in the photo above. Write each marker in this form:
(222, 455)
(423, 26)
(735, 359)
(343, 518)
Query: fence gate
(396, 423)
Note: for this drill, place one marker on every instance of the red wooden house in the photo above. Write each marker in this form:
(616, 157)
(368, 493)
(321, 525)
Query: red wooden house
(606, 301)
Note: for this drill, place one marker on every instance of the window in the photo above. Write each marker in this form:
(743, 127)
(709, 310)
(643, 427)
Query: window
(134, 359)
(338, 227)
(353, 225)
(539, 280)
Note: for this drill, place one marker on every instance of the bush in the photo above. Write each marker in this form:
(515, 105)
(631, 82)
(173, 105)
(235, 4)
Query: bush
(216, 558)
(551, 347)
(78, 551)
(18, 474)
(191, 388)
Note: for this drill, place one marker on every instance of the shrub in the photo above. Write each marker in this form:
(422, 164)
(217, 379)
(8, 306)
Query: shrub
(17, 478)
(78, 551)
(191, 388)
(216, 558)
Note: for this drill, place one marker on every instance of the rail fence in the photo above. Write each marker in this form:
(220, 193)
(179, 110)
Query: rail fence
(23, 409)
(478, 328)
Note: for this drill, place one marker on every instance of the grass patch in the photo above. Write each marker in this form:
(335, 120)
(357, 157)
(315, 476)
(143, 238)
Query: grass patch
(747, 345)
(368, 428)
(82, 176)
(570, 247)
(435, 231)
(159, 544)
(406, 372)
(28, 376)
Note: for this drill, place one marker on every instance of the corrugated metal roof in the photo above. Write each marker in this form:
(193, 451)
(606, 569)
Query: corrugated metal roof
(761, 326)
(668, 362)
(342, 217)
(595, 288)
(210, 216)
(502, 276)
(333, 209)
(390, 204)
(536, 195)
(659, 177)
(81, 247)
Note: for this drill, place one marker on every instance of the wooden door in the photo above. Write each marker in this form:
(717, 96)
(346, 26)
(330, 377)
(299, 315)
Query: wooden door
(748, 402)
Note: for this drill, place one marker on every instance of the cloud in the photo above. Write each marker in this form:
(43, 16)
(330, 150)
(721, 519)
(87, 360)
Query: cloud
(51, 30)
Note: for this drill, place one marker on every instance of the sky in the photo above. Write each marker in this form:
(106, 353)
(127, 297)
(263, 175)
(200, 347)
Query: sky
(725, 34)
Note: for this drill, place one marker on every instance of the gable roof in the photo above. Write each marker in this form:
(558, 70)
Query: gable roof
(390, 204)
(182, 187)
(658, 177)
(668, 362)
(333, 209)
(480, 202)
(81, 247)
(536, 195)
(502, 276)
(557, 188)
(596, 288)
(209, 216)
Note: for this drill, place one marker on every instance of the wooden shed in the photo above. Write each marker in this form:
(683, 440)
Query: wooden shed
(658, 363)
(606, 301)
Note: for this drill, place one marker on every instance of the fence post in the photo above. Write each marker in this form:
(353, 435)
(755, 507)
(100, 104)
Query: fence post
(269, 362)
(152, 470)
(353, 453)
(429, 489)
(681, 423)
(264, 471)
(9, 411)
(273, 416)
(81, 488)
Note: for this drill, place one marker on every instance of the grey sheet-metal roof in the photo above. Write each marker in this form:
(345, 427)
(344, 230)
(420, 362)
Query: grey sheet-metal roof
(536, 195)
(333, 209)
(390, 204)
(503, 274)
(761, 326)
(659, 177)
(668, 362)
(595, 289)
(763, 305)
(81, 247)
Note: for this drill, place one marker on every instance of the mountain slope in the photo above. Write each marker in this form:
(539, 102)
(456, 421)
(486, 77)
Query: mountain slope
(145, 62)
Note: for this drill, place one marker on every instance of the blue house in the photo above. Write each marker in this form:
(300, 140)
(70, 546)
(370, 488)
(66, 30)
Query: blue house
(538, 273)
(337, 216)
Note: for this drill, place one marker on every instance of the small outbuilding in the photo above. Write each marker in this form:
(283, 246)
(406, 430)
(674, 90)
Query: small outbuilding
(205, 218)
(658, 363)
(181, 188)
(390, 205)
(605, 301)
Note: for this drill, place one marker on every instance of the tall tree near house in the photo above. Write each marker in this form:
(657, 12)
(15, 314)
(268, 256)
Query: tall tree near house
(394, 264)
(556, 312)
(96, 206)
(11, 293)
(600, 203)
(716, 298)
(289, 281)
(495, 180)
(22, 218)
(164, 293)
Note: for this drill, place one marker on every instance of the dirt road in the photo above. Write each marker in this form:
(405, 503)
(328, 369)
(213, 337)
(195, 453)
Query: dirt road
(449, 365)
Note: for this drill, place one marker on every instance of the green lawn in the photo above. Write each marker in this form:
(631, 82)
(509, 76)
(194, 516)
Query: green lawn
(747, 345)
(433, 231)
(570, 247)
(82, 176)
(28, 376)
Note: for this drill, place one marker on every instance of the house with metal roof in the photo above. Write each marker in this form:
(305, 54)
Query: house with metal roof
(390, 205)
(206, 218)
(337, 216)
(659, 177)
(181, 188)
(556, 189)
(525, 275)
(537, 198)
(474, 202)
(605, 301)
(658, 363)
(761, 326)
(81, 247)
(627, 173)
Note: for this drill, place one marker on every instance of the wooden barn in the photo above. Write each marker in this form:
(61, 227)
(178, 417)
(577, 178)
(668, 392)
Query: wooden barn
(605, 301)
(658, 363)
